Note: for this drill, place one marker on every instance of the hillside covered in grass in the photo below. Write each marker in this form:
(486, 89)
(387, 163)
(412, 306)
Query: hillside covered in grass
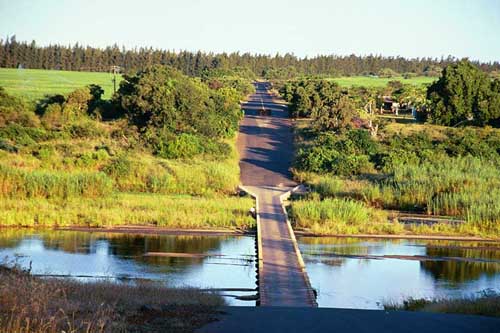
(34, 84)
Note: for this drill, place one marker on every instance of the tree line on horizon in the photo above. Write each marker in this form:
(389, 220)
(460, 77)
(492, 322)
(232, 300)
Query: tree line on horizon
(21, 54)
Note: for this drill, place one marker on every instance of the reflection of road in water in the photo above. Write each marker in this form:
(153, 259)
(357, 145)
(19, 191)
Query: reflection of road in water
(353, 273)
(121, 255)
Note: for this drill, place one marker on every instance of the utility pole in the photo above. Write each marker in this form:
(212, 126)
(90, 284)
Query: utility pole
(115, 69)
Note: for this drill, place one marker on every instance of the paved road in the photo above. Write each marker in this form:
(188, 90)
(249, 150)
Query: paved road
(320, 320)
(265, 145)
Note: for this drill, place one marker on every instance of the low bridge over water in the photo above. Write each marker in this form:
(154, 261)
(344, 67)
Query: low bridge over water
(265, 143)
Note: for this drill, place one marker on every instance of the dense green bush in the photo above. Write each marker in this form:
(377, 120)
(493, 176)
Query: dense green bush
(464, 93)
(178, 114)
(309, 96)
(120, 166)
(7, 146)
(347, 154)
(13, 110)
(26, 136)
(188, 145)
(84, 128)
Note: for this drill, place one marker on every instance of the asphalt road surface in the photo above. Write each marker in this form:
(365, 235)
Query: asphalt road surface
(265, 142)
(266, 148)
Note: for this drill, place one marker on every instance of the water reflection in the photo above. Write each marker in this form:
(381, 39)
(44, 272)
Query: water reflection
(362, 273)
(122, 256)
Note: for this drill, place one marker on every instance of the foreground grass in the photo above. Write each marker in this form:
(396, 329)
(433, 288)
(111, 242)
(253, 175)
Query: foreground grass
(36, 83)
(130, 209)
(29, 304)
(486, 305)
(378, 82)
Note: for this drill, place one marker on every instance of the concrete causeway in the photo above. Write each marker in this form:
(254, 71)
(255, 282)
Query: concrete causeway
(265, 144)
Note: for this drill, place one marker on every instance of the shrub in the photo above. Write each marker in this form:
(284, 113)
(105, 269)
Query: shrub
(5, 145)
(118, 167)
(25, 136)
(340, 155)
(181, 146)
(15, 110)
(85, 128)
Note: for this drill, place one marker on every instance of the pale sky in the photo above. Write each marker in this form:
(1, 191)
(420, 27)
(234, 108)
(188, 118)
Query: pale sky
(412, 28)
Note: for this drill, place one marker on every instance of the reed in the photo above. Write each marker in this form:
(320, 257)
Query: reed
(45, 184)
(340, 216)
(130, 209)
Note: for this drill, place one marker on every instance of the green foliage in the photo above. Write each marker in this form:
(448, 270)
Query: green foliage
(84, 128)
(26, 136)
(348, 154)
(308, 97)
(118, 167)
(180, 116)
(239, 79)
(486, 304)
(427, 169)
(334, 117)
(463, 93)
(7, 146)
(387, 73)
(14, 110)
(169, 211)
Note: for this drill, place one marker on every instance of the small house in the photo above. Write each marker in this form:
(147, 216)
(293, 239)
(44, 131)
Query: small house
(388, 104)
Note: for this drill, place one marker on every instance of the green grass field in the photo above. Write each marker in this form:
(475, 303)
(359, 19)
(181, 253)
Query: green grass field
(367, 81)
(35, 83)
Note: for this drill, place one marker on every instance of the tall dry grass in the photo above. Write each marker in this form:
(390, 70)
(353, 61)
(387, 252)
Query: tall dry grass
(30, 304)
(486, 304)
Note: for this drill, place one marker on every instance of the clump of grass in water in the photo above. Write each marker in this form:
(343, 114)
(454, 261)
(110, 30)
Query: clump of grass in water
(486, 304)
(338, 216)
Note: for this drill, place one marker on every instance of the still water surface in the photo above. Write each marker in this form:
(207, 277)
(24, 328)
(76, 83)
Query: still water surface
(353, 273)
(347, 272)
(121, 257)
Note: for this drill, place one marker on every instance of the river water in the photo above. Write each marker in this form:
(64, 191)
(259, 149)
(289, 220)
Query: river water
(120, 257)
(365, 273)
(346, 272)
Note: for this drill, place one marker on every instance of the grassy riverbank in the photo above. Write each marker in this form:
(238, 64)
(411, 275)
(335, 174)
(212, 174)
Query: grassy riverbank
(30, 304)
(168, 211)
(425, 170)
(102, 183)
